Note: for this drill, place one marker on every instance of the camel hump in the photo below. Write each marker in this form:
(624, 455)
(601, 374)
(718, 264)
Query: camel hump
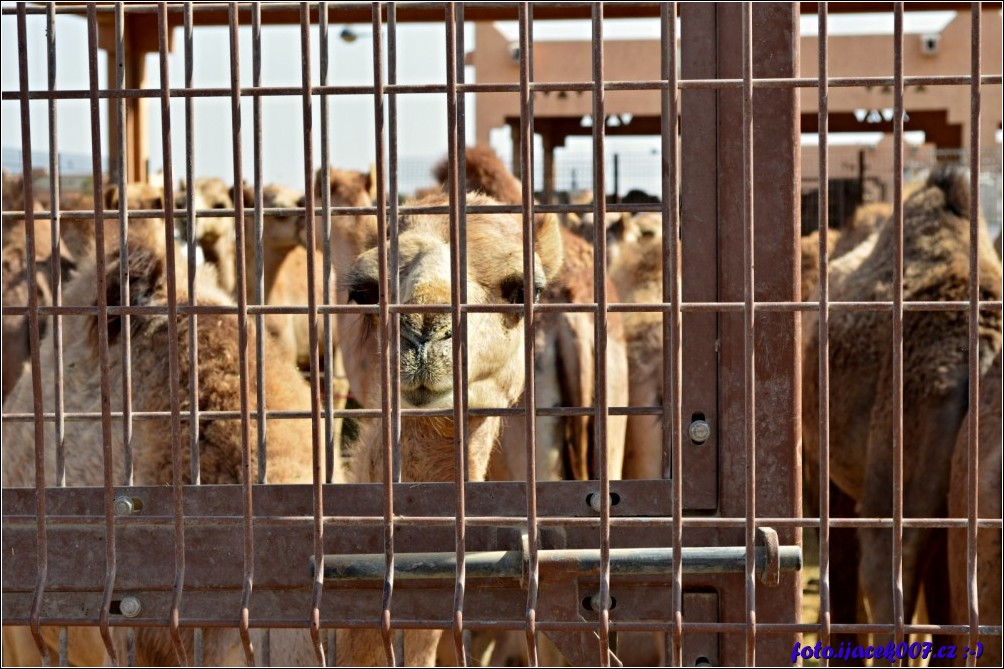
(954, 183)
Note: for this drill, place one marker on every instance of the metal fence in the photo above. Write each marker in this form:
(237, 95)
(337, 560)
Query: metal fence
(706, 557)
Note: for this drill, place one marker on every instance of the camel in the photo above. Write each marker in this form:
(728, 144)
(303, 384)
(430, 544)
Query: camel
(284, 265)
(988, 544)
(495, 355)
(214, 234)
(936, 261)
(564, 345)
(76, 243)
(288, 450)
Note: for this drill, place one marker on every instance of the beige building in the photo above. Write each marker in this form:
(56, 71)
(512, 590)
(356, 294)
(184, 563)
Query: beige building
(941, 112)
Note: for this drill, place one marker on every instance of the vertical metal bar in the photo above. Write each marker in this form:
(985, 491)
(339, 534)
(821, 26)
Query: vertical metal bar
(331, 452)
(174, 359)
(529, 353)
(102, 300)
(119, 105)
(315, 405)
(56, 261)
(242, 330)
(393, 257)
(259, 269)
(749, 341)
(33, 333)
(125, 334)
(824, 333)
(458, 262)
(976, 95)
(259, 241)
(897, 327)
(672, 323)
(190, 217)
(384, 339)
(600, 322)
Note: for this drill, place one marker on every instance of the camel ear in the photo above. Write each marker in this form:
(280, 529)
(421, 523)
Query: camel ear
(146, 276)
(547, 243)
(111, 197)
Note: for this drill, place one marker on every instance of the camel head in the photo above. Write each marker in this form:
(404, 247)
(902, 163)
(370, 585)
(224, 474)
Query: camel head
(351, 234)
(207, 193)
(279, 232)
(494, 276)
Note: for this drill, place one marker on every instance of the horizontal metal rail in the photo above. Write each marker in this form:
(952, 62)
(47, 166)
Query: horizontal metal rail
(584, 561)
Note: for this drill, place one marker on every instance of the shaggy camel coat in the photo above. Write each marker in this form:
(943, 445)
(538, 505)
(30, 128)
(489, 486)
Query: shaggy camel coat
(288, 441)
(936, 261)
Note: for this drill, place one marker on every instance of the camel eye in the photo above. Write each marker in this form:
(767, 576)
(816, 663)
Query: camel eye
(513, 291)
(364, 292)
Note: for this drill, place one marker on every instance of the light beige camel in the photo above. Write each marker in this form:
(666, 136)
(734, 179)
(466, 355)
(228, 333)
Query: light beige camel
(936, 261)
(214, 234)
(284, 265)
(288, 441)
(988, 540)
(495, 356)
(565, 345)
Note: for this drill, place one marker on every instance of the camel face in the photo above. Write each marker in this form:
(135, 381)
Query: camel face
(494, 276)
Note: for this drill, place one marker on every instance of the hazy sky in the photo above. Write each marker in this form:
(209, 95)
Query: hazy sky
(422, 118)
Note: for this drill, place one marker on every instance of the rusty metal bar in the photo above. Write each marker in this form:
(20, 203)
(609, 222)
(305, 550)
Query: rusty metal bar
(511, 564)
(749, 331)
(33, 335)
(384, 339)
(259, 241)
(174, 356)
(190, 239)
(394, 256)
(529, 348)
(897, 329)
(672, 323)
(56, 281)
(331, 454)
(549, 87)
(585, 307)
(103, 344)
(421, 11)
(56, 258)
(242, 333)
(458, 296)
(600, 325)
(318, 470)
(825, 604)
(973, 423)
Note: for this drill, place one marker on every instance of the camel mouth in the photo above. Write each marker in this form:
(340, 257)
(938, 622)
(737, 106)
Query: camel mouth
(424, 397)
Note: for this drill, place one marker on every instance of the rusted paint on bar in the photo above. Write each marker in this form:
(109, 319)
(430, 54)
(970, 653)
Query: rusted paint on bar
(529, 348)
(823, 365)
(973, 422)
(34, 338)
(600, 336)
(672, 330)
(242, 336)
(897, 329)
(458, 274)
(749, 416)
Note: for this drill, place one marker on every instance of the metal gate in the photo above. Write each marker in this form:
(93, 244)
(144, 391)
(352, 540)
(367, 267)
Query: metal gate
(707, 557)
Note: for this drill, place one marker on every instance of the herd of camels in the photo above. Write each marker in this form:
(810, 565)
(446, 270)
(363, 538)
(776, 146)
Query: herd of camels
(936, 258)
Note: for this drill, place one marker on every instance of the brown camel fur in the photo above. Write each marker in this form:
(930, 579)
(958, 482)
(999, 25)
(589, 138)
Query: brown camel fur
(495, 357)
(988, 542)
(288, 450)
(565, 350)
(936, 261)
